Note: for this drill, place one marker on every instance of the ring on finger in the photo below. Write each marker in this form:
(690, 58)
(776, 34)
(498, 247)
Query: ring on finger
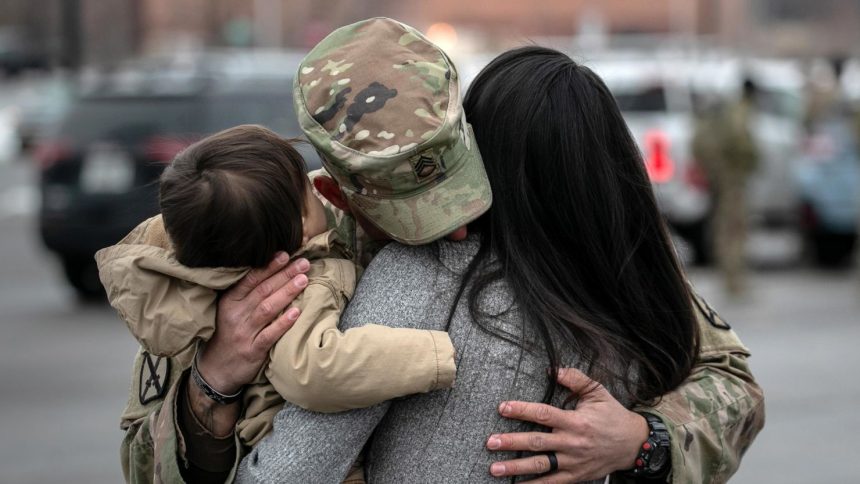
(553, 462)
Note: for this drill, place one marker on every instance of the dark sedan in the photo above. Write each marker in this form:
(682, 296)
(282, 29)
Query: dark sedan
(99, 174)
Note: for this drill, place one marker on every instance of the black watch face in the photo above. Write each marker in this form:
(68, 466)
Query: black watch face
(658, 459)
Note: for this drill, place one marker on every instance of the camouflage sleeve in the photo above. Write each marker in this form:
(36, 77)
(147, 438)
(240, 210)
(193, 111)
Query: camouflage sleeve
(152, 380)
(715, 415)
(153, 449)
(136, 450)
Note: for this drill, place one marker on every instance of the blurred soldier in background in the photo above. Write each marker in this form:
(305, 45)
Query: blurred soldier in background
(723, 144)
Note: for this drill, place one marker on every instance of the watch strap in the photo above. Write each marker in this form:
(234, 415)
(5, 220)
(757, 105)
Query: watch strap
(658, 441)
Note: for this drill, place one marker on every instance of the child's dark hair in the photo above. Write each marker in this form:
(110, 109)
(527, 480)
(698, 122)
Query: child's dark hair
(234, 199)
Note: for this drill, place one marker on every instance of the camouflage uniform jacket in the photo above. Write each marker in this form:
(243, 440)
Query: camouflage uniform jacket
(716, 413)
(724, 145)
(712, 417)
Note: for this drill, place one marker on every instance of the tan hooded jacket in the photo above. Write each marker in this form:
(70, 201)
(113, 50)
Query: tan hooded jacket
(168, 307)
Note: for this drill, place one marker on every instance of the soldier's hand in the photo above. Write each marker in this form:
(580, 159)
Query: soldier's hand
(248, 323)
(597, 438)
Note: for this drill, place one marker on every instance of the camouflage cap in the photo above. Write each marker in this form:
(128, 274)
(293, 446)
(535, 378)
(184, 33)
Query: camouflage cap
(381, 104)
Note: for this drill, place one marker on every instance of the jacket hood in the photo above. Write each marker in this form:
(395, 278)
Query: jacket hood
(167, 306)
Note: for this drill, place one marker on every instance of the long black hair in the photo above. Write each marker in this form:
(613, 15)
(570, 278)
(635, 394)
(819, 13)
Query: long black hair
(574, 227)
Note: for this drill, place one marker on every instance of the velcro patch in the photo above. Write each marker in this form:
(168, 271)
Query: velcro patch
(154, 377)
(708, 312)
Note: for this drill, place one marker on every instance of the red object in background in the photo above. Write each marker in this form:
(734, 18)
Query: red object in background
(659, 164)
(48, 153)
(695, 176)
(164, 148)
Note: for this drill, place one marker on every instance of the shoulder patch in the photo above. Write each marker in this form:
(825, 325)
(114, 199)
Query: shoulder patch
(708, 312)
(153, 379)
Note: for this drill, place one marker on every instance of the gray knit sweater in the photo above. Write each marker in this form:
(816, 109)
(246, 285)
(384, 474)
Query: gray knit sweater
(433, 437)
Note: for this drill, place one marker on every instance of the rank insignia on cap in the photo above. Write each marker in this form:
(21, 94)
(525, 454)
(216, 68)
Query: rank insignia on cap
(425, 167)
(153, 379)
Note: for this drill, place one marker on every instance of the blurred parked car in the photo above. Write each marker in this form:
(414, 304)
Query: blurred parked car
(829, 181)
(99, 173)
(42, 103)
(10, 147)
(658, 96)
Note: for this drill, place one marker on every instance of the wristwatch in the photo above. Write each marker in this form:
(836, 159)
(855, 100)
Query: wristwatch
(654, 456)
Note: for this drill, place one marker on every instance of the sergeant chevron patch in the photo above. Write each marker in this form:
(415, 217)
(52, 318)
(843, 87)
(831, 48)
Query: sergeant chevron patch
(425, 167)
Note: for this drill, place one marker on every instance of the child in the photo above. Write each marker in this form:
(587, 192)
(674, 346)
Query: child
(231, 202)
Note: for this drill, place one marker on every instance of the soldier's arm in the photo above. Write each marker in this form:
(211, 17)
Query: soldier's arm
(716, 413)
(152, 379)
(712, 418)
(136, 451)
(248, 325)
(172, 445)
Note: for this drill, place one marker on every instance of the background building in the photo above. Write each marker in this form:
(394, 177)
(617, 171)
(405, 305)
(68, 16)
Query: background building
(105, 31)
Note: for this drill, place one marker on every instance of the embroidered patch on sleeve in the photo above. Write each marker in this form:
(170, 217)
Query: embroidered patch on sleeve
(708, 312)
(154, 377)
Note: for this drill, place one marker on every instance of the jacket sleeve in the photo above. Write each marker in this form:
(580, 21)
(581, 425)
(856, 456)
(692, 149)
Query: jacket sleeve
(318, 367)
(715, 415)
(154, 449)
(136, 450)
(145, 402)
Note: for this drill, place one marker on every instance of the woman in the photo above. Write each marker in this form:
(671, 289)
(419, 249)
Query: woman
(571, 266)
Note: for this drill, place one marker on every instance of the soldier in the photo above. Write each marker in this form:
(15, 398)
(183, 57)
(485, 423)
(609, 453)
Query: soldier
(710, 419)
(725, 146)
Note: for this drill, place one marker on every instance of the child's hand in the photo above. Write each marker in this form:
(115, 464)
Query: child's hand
(246, 326)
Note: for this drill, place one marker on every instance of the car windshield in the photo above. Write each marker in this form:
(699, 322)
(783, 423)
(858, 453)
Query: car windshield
(272, 110)
(132, 119)
(128, 120)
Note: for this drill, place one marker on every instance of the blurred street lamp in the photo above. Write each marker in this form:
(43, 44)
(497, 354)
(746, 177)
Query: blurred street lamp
(444, 35)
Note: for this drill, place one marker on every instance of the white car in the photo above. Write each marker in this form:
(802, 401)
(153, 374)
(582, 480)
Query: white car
(657, 97)
(10, 145)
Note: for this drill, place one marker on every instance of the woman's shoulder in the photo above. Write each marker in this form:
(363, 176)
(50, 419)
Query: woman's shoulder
(395, 253)
(404, 285)
(403, 268)
(437, 255)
